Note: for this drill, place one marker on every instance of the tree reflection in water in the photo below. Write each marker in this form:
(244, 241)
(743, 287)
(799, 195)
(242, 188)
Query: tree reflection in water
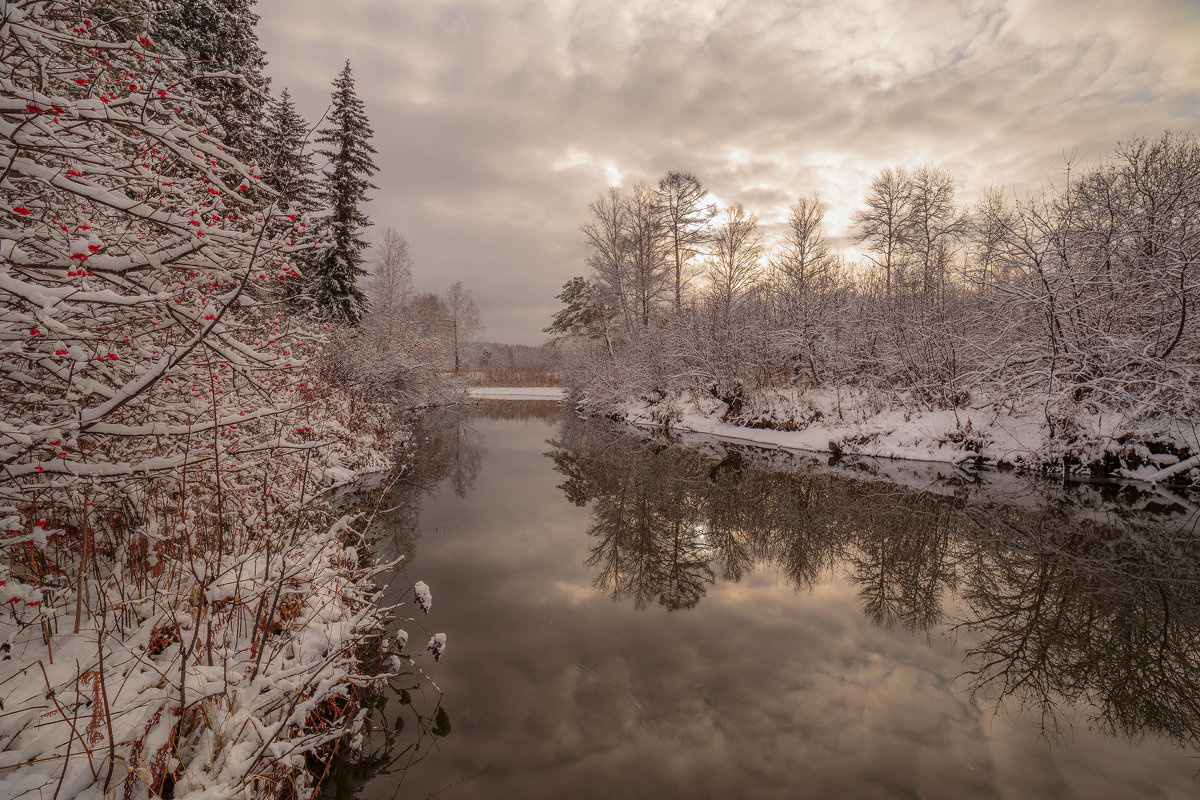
(404, 722)
(1057, 597)
(1095, 612)
(448, 449)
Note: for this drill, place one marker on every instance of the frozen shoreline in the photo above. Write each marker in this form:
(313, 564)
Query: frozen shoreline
(975, 436)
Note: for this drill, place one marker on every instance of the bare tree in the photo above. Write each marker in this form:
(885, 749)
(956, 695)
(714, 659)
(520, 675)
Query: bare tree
(463, 317)
(735, 265)
(804, 262)
(806, 275)
(685, 217)
(645, 252)
(428, 311)
(607, 246)
(885, 225)
(935, 225)
(392, 279)
(985, 229)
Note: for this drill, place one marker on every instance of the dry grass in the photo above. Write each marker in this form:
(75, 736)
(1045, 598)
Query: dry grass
(513, 376)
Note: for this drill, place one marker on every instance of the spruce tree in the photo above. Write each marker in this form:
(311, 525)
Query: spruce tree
(334, 271)
(286, 166)
(218, 38)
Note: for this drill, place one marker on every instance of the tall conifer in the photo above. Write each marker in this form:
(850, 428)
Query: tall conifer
(219, 40)
(287, 166)
(334, 271)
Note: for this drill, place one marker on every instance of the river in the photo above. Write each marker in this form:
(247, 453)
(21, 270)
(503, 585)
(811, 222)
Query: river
(631, 617)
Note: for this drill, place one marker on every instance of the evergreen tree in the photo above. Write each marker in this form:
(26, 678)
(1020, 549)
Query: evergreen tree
(583, 313)
(218, 39)
(334, 271)
(287, 167)
(124, 19)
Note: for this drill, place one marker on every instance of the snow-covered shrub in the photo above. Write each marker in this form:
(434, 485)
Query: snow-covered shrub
(174, 587)
(388, 359)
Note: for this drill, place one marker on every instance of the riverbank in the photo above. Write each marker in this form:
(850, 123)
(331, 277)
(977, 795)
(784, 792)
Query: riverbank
(855, 423)
(197, 654)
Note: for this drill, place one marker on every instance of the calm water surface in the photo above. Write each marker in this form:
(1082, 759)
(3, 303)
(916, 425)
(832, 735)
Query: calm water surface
(629, 618)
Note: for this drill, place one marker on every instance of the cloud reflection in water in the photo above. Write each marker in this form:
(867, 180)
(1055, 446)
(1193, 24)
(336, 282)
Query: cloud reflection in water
(702, 623)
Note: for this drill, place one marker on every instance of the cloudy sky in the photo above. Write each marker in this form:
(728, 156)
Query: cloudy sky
(498, 121)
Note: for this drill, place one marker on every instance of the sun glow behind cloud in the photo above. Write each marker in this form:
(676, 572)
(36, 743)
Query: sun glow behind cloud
(575, 158)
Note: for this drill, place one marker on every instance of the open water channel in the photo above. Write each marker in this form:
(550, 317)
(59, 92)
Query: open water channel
(633, 617)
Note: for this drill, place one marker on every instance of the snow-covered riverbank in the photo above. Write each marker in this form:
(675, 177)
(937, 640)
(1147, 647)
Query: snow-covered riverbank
(222, 669)
(849, 424)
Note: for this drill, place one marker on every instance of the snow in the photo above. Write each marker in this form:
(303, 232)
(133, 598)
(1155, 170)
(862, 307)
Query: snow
(517, 393)
(847, 424)
(423, 596)
(1177, 468)
(158, 417)
(437, 645)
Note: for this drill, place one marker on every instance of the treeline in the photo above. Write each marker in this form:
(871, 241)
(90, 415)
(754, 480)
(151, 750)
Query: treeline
(492, 355)
(316, 180)
(1075, 300)
(498, 364)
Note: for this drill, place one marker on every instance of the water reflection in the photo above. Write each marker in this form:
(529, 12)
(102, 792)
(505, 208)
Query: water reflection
(448, 449)
(399, 735)
(405, 722)
(831, 609)
(1060, 600)
(1091, 612)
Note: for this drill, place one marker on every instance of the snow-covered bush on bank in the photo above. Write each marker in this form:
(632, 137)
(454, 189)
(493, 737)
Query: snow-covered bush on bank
(853, 421)
(178, 609)
(386, 358)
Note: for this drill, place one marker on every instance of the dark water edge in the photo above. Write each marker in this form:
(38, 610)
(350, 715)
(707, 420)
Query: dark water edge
(629, 617)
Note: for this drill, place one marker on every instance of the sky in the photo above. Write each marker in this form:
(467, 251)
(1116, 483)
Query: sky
(497, 122)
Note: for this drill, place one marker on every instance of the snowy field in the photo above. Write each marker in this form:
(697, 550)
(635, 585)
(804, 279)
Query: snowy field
(518, 393)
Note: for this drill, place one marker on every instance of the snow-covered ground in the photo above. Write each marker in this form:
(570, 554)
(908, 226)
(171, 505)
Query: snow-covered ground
(265, 691)
(848, 424)
(518, 393)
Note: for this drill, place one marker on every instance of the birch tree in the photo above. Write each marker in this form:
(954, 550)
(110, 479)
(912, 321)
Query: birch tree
(391, 280)
(462, 318)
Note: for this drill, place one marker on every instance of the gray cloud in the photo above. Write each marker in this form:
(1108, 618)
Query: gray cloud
(498, 122)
